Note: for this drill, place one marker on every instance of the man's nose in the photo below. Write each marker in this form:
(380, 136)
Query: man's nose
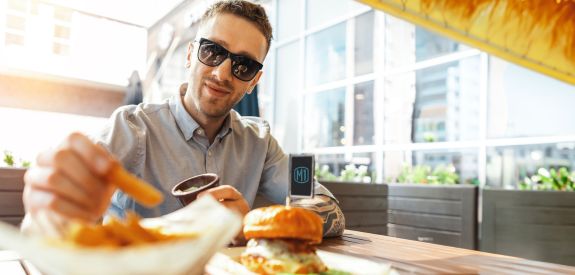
(223, 72)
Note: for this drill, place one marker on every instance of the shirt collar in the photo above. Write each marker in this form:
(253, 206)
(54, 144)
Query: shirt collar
(184, 120)
(227, 126)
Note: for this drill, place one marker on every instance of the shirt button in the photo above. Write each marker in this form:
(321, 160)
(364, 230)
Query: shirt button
(200, 132)
(210, 153)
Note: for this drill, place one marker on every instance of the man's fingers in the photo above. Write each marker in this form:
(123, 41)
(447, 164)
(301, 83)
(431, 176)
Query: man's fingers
(49, 200)
(48, 180)
(240, 205)
(91, 166)
(70, 163)
(94, 156)
(229, 197)
(97, 158)
(224, 192)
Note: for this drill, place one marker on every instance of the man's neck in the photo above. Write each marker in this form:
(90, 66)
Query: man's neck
(211, 126)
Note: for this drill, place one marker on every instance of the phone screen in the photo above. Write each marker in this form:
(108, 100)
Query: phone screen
(301, 175)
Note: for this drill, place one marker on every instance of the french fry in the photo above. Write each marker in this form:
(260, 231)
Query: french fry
(141, 191)
(90, 235)
(133, 224)
(116, 233)
(124, 234)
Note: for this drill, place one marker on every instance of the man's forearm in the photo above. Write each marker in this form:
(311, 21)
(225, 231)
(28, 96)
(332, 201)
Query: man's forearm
(327, 208)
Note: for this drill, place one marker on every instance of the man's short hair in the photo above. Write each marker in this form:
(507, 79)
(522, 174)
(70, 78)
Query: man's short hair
(252, 12)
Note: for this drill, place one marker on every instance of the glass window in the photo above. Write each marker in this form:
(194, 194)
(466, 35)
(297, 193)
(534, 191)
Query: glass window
(13, 40)
(54, 126)
(61, 32)
(362, 167)
(357, 167)
(438, 162)
(508, 165)
(325, 55)
(523, 103)
(288, 80)
(63, 14)
(287, 27)
(446, 102)
(399, 98)
(37, 32)
(60, 49)
(323, 11)
(399, 43)
(14, 22)
(18, 5)
(324, 119)
(439, 103)
(363, 119)
(429, 44)
(364, 43)
(328, 167)
(464, 162)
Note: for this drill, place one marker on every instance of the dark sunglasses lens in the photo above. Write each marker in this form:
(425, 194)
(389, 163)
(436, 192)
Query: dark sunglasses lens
(245, 68)
(211, 54)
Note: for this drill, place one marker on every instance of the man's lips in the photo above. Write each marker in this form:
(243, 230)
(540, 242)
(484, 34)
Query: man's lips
(216, 90)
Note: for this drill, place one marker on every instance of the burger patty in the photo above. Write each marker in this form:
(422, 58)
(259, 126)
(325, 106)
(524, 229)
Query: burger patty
(291, 245)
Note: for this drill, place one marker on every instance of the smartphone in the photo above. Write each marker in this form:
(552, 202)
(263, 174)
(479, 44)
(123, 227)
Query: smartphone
(301, 168)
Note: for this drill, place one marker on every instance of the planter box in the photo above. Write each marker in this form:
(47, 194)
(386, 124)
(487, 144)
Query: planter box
(11, 187)
(440, 214)
(538, 225)
(364, 205)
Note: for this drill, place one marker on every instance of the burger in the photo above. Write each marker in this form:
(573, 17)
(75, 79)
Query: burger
(282, 240)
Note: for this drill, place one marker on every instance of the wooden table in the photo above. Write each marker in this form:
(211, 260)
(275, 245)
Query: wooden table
(405, 256)
(411, 257)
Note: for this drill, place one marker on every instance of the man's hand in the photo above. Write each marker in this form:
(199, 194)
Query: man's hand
(230, 197)
(70, 180)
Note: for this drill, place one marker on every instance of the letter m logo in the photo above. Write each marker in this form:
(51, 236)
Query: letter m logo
(301, 174)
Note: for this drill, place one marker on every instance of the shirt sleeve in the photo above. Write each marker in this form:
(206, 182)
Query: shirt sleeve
(125, 140)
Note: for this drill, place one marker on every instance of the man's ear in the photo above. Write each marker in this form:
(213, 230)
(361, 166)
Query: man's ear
(254, 82)
(189, 55)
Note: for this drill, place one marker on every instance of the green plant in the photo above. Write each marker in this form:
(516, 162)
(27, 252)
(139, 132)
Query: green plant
(429, 137)
(355, 173)
(323, 173)
(25, 164)
(442, 174)
(350, 173)
(558, 180)
(8, 158)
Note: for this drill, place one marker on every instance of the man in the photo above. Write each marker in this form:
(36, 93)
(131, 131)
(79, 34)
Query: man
(192, 134)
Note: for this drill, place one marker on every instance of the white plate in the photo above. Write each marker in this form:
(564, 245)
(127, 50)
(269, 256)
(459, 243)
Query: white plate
(226, 262)
(216, 224)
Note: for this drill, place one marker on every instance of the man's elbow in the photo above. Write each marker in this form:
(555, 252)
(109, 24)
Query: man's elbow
(334, 223)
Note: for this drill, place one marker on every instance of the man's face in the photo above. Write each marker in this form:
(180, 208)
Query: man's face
(213, 91)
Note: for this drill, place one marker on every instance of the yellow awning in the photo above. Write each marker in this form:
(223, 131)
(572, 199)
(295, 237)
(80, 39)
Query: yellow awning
(537, 34)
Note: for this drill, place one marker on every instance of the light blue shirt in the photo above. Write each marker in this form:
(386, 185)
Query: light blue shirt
(164, 145)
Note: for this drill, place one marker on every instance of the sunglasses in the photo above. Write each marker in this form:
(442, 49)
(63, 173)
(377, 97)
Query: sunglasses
(213, 54)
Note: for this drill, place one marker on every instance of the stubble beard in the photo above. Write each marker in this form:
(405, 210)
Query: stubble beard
(210, 107)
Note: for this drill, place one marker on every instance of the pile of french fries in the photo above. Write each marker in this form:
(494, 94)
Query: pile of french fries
(115, 233)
